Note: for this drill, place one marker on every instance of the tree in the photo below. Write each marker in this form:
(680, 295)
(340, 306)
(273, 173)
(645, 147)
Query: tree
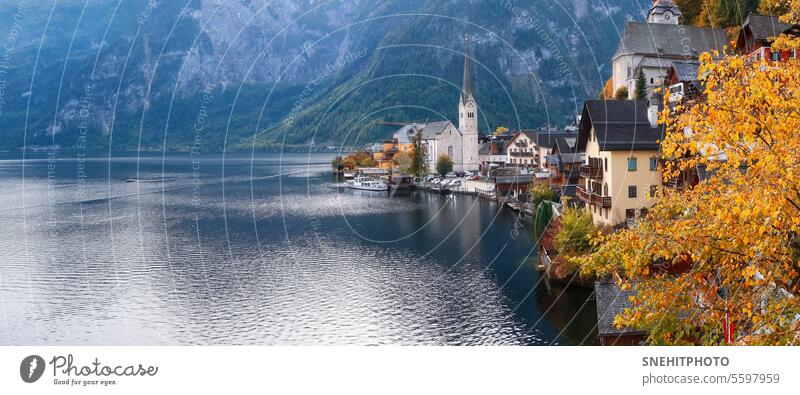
(539, 193)
(690, 10)
(622, 93)
(337, 164)
(728, 249)
(608, 90)
(542, 218)
(773, 7)
(403, 161)
(444, 165)
(641, 86)
(419, 155)
(725, 13)
(576, 231)
(500, 130)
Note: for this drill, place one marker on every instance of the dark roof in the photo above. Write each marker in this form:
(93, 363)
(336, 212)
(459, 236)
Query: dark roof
(619, 125)
(486, 148)
(569, 190)
(685, 71)
(548, 139)
(665, 40)
(660, 6)
(612, 301)
(764, 27)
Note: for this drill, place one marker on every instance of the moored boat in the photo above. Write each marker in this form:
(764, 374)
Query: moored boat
(367, 184)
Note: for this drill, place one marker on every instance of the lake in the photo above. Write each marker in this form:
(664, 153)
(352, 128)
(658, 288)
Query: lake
(261, 249)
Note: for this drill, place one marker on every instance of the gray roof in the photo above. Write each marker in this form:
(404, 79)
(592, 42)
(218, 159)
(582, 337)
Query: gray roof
(612, 301)
(619, 125)
(654, 62)
(548, 139)
(660, 6)
(665, 40)
(686, 71)
(433, 129)
(407, 132)
(764, 27)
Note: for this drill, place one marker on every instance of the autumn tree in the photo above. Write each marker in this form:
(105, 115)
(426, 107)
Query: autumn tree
(773, 7)
(728, 249)
(607, 93)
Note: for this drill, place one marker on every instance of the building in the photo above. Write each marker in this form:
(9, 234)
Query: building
(546, 140)
(621, 170)
(383, 153)
(652, 46)
(468, 118)
(611, 302)
(565, 166)
(492, 153)
(443, 138)
(756, 36)
(682, 81)
(522, 151)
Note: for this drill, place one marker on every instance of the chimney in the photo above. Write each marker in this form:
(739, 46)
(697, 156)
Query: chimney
(653, 103)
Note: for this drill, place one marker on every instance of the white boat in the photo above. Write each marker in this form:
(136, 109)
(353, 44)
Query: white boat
(367, 184)
(349, 175)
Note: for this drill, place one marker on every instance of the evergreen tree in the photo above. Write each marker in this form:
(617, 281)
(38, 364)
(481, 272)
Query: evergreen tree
(641, 86)
(419, 156)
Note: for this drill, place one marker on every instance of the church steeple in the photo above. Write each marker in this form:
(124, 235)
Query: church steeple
(664, 11)
(466, 84)
(468, 116)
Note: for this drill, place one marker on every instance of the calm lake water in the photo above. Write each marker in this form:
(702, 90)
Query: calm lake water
(262, 249)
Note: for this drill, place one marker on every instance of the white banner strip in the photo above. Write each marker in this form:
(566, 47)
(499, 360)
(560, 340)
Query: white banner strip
(398, 370)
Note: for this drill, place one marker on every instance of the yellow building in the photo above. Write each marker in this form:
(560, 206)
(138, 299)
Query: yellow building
(621, 170)
(383, 153)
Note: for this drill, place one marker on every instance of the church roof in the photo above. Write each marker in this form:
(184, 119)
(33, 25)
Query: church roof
(660, 6)
(433, 129)
(665, 40)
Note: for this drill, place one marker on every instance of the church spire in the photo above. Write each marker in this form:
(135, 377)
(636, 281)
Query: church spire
(664, 11)
(466, 85)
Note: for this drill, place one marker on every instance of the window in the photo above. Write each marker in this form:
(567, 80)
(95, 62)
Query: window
(653, 190)
(470, 115)
(450, 151)
(630, 213)
(775, 56)
(605, 189)
(632, 164)
(632, 191)
(605, 164)
(653, 163)
(651, 80)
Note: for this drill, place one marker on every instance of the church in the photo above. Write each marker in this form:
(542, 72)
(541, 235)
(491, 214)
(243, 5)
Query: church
(653, 45)
(443, 138)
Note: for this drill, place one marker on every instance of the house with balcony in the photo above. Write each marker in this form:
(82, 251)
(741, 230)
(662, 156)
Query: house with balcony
(621, 171)
(757, 34)
(564, 163)
(521, 151)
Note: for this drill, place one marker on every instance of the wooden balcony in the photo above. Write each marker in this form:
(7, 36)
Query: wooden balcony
(589, 197)
(592, 172)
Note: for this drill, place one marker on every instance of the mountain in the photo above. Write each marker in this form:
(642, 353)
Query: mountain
(147, 74)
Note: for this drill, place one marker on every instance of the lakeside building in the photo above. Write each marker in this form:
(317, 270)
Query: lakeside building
(528, 148)
(757, 34)
(611, 302)
(564, 163)
(652, 46)
(493, 153)
(621, 170)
